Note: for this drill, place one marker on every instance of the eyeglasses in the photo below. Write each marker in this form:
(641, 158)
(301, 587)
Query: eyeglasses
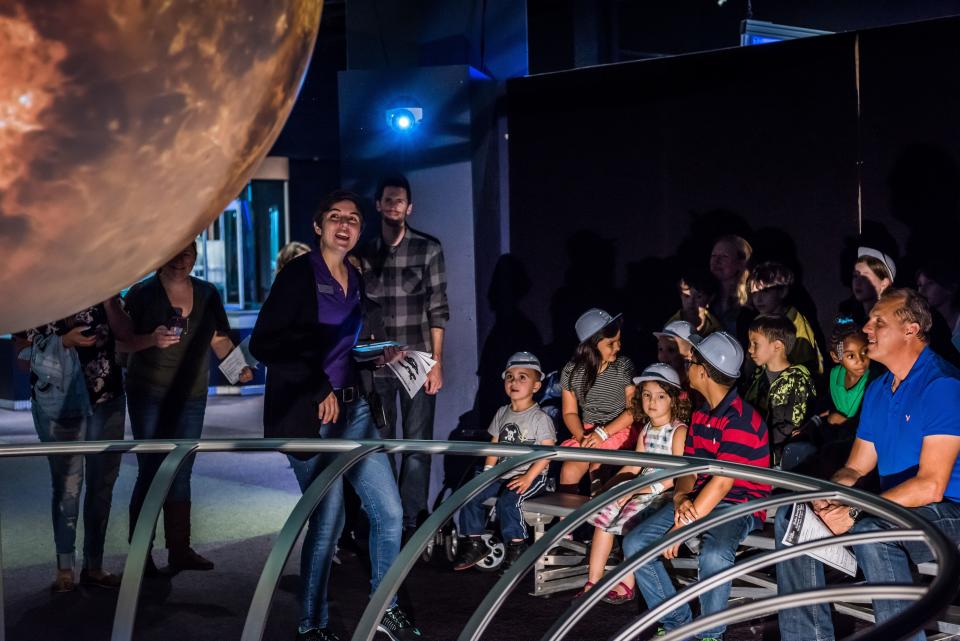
(689, 362)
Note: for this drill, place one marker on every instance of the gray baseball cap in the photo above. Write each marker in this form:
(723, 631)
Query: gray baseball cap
(592, 321)
(523, 359)
(680, 329)
(659, 372)
(723, 352)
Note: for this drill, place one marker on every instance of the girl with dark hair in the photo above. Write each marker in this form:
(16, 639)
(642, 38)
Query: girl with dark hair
(821, 445)
(664, 414)
(597, 392)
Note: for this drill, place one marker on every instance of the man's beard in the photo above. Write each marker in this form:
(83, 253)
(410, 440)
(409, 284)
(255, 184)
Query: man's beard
(396, 224)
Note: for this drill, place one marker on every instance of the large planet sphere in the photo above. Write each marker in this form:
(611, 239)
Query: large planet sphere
(125, 127)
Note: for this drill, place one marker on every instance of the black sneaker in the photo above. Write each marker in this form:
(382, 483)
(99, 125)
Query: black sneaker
(513, 552)
(323, 634)
(397, 625)
(472, 551)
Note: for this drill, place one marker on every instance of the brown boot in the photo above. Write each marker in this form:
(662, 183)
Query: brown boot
(176, 523)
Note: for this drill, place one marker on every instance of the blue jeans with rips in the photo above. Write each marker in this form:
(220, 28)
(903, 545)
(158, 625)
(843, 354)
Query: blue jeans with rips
(373, 481)
(717, 553)
(67, 475)
(881, 563)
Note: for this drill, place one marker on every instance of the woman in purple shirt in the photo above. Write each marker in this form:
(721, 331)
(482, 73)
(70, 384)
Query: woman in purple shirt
(305, 332)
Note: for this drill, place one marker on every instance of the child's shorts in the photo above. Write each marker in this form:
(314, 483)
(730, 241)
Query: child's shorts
(622, 440)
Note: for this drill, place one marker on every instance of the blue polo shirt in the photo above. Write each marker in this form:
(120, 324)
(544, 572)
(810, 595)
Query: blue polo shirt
(926, 403)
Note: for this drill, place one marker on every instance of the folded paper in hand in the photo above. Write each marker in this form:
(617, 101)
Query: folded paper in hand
(412, 370)
(804, 526)
(239, 358)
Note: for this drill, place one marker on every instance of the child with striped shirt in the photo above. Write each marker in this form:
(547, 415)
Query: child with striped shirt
(725, 428)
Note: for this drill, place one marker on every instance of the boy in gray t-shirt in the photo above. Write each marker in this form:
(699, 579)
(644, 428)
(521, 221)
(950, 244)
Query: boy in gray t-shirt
(522, 422)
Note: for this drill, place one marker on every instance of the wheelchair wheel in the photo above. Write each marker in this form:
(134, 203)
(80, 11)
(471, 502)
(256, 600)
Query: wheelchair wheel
(450, 541)
(427, 555)
(492, 561)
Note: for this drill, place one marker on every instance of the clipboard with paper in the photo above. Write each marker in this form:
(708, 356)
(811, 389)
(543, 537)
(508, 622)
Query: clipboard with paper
(805, 525)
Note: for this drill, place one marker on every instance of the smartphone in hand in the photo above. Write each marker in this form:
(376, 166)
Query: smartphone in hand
(88, 332)
(177, 323)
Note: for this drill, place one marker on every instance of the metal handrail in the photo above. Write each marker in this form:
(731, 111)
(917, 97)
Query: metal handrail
(929, 600)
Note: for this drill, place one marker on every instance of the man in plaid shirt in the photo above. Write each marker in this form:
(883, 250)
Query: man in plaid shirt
(404, 273)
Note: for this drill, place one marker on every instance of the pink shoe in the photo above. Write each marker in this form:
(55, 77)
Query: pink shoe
(619, 598)
(586, 588)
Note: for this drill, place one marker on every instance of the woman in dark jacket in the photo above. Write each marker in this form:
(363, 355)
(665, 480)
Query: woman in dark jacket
(304, 334)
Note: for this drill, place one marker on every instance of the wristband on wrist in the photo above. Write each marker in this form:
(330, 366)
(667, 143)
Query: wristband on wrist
(602, 433)
(657, 488)
(487, 467)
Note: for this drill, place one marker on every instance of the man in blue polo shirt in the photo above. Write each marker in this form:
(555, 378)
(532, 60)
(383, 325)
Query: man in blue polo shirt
(910, 431)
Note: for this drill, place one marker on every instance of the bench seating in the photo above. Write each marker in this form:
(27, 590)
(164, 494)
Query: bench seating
(558, 572)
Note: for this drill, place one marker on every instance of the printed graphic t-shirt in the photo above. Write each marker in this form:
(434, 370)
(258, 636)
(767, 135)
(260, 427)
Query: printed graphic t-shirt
(530, 427)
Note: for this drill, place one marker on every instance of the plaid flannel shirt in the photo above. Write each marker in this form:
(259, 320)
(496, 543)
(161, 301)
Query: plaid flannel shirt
(409, 282)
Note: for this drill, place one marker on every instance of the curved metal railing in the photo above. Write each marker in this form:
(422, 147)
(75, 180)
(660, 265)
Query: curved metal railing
(927, 601)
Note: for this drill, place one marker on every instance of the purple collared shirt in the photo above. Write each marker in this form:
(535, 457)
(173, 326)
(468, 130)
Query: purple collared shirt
(340, 317)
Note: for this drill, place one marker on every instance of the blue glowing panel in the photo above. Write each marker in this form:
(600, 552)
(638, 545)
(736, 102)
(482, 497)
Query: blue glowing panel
(754, 39)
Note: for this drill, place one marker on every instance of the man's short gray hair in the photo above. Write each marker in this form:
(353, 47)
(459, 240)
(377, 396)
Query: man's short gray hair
(913, 308)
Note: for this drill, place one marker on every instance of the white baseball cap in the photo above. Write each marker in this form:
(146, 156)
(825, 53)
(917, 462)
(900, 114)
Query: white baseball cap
(723, 352)
(523, 359)
(679, 329)
(879, 255)
(592, 321)
(659, 372)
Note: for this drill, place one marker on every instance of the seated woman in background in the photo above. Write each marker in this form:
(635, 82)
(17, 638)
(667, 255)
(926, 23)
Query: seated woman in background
(873, 272)
(938, 280)
(597, 392)
(728, 263)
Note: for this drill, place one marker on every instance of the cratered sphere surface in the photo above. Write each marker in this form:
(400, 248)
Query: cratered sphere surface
(125, 127)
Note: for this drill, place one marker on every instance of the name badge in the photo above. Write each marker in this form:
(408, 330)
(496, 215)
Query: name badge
(324, 289)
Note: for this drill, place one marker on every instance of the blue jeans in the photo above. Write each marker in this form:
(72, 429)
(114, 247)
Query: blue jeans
(717, 553)
(417, 416)
(67, 474)
(796, 453)
(880, 562)
(373, 481)
(154, 416)
(473, 515)
(158, 415)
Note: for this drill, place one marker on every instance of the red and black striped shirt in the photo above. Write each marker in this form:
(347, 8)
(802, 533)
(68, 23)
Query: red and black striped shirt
(732, 431)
